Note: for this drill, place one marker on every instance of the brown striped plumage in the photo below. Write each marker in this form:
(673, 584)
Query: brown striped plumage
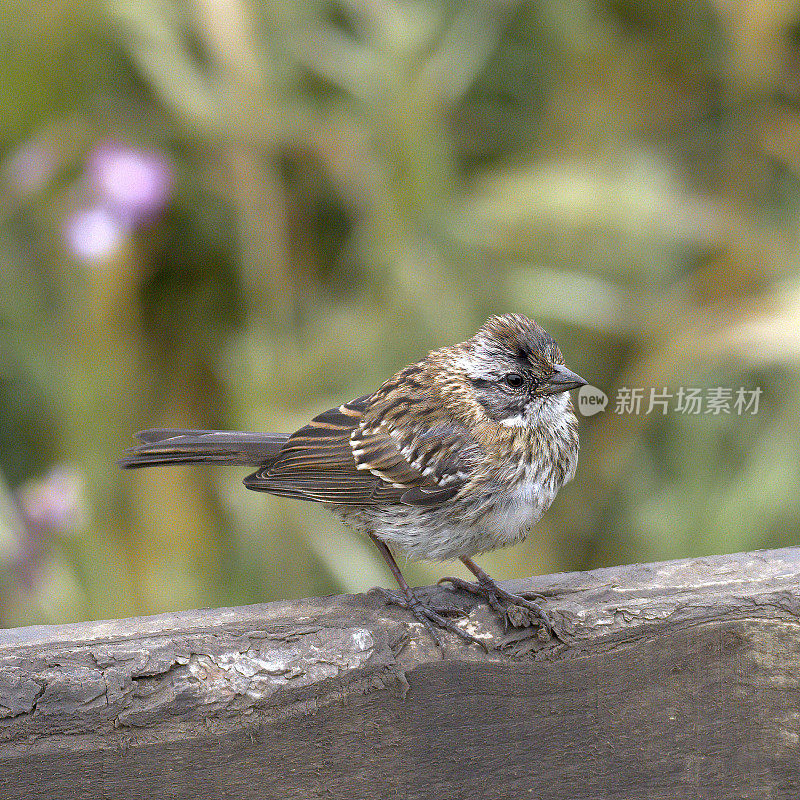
(455, 455)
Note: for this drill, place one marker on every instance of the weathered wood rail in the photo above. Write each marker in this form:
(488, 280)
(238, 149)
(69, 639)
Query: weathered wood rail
(679, 680)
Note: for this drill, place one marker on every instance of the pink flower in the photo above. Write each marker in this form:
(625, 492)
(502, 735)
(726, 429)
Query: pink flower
(95, 233)
(124, 187)
(55, 502)
(29, 168)
(134, 182)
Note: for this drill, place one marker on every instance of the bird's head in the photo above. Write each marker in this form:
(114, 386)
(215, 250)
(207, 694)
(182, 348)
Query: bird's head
(512, 371)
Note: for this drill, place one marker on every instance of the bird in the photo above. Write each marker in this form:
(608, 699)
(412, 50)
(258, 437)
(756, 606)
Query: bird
(455, 455)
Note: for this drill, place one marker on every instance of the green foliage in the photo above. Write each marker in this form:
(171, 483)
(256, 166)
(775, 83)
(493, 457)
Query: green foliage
(353, 185)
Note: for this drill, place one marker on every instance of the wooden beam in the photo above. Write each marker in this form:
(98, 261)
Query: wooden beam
(679, 679)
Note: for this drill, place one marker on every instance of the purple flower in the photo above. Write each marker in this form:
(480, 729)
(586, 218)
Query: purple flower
(29, 168)
(95, 233)
(56, 502)
(133, 182)
(43, 507)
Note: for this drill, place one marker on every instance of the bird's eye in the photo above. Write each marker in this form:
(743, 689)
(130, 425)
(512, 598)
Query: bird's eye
(514, 380)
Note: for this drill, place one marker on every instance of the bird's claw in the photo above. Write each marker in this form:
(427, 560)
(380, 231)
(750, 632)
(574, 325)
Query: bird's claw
(432, 617)
(515, 609)
(397, 598)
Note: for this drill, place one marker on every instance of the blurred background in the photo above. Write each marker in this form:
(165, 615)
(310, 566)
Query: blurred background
(234, 214)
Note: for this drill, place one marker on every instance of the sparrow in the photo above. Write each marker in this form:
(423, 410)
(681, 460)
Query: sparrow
(455, 455)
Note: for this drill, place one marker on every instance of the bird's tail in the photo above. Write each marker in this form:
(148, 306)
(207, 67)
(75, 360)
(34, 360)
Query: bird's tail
(168, 446)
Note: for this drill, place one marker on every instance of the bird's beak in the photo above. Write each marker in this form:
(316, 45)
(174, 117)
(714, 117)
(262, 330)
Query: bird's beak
(562, 380)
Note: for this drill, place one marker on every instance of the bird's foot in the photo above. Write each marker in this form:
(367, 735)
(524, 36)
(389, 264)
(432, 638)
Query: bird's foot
(515, 609)
(434, 618)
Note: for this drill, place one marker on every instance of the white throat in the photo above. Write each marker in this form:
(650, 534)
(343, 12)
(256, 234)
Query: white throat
(550, 409)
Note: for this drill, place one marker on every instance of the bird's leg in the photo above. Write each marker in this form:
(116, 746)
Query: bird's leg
(424, 612)
(515, 608)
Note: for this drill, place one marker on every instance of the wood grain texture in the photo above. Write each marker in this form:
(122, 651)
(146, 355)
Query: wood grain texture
(679, 679)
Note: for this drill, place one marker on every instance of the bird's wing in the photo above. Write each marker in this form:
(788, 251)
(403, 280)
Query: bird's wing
(338, 458)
